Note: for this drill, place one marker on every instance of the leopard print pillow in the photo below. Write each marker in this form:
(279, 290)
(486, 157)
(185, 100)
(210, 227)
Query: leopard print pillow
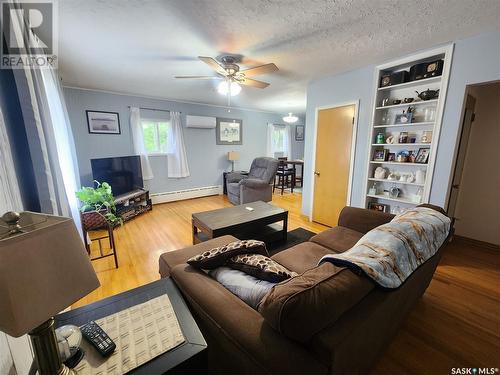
(261, 267)
(210, 259)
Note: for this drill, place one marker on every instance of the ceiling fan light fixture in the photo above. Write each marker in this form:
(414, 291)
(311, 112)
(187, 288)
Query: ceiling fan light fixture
(229, 87)
(290, 118)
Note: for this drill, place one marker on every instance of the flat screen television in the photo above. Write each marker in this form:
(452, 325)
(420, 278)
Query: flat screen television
(124, 173)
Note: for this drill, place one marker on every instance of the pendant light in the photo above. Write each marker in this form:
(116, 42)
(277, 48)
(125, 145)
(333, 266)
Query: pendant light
(290, 119)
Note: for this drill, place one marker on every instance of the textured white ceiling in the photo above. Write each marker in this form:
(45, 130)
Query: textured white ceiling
(137, 46)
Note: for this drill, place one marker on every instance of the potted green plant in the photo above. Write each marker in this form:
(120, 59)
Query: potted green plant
(98, 206)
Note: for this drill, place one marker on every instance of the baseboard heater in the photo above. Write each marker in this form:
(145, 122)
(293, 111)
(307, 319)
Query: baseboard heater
(172, 196)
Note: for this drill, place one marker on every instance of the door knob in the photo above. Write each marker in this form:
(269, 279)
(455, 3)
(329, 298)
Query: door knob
(456, 186)
(316, 173)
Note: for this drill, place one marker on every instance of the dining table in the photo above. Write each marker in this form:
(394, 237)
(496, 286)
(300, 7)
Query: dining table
(294, 164)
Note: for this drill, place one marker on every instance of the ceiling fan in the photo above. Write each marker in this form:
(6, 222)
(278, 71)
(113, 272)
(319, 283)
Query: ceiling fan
(229, 71)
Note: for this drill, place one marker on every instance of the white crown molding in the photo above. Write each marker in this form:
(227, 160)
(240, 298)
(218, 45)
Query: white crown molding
(170, 100)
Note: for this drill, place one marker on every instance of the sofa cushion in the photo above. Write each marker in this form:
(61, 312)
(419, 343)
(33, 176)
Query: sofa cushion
(304, 305)
(338, 239)
(301, 257)
(261, 267)
(171, 259)
(218, 256)
(362, 220)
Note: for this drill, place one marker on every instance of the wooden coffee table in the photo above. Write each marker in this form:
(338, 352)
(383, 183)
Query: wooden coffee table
(261, 222)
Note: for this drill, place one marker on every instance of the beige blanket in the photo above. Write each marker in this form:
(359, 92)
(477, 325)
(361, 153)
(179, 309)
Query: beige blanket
(391, 252)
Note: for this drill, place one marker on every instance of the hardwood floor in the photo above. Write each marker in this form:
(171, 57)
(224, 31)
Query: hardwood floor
(455, 324)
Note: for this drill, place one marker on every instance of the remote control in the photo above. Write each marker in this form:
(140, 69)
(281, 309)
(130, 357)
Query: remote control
(98, 338)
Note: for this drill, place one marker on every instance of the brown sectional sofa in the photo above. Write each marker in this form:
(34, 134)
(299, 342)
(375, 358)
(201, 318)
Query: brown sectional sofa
(327, 320)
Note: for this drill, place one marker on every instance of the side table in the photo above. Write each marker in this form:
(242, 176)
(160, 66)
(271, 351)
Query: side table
(188, 358)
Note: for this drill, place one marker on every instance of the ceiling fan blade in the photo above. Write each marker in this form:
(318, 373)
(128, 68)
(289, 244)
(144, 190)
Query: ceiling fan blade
(263, 69)
(213, 64)
(197, 77)
(253, 83)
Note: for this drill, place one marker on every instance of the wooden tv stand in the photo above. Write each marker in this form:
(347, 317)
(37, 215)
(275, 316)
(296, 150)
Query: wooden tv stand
(132, 204)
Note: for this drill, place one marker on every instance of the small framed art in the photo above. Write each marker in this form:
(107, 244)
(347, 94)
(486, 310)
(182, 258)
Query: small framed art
(378, 207)
(423, 156)
(100, 122)
(229, 131)
(299, 133)
(380, 155)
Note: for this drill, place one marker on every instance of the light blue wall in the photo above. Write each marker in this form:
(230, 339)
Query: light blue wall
(206, 160)
(475, 60)
(332, 91)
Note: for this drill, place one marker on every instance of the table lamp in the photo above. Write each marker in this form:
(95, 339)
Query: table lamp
(44, 268)
(232, 156)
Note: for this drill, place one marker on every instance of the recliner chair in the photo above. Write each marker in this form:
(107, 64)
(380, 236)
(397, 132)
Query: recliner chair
(257, 186)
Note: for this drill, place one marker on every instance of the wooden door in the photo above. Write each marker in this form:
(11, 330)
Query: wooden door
(467, 121)
(333, 163)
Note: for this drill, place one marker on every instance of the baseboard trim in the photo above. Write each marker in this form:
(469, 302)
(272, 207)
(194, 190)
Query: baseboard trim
(478, 243)
(179, 195)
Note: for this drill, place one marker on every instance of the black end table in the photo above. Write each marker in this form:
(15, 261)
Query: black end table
(188, 358)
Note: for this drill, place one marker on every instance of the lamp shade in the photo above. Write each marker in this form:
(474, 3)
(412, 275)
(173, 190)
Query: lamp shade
(43, 269)
(233, 156)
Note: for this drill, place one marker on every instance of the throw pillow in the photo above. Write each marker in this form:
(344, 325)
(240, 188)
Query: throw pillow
(261, 267)
(210, 259)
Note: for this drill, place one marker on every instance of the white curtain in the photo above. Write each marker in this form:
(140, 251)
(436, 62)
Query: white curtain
(270, 144)
(138, 140)
(177, 159)
(10, 196)
(50, 138)
(287, 141)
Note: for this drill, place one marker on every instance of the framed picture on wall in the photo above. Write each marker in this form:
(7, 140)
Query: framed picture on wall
(229, 131)
(299, 133)
(100, 122)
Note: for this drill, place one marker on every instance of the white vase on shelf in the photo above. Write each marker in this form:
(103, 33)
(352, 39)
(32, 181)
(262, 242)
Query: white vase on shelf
(420, 176)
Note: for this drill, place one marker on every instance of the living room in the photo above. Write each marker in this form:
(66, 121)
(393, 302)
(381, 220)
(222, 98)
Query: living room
(166, 159)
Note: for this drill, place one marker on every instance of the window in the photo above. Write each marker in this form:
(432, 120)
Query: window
(155, 135)
(278, 141)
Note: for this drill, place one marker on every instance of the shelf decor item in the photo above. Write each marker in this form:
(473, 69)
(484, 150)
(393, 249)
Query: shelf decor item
(380, 138)
(378, 207)
(428, 94)
(380, 155)
(404, 118)
(380, 173)
(422, 156)
(394, 78)
(426, 137)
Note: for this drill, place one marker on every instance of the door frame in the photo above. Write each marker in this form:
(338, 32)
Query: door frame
(353, 149)
(456, 150)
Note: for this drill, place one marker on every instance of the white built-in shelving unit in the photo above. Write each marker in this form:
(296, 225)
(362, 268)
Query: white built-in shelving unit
(383, 121)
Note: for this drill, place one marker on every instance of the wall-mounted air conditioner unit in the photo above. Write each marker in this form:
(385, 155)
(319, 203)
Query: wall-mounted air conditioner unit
(201, 122)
